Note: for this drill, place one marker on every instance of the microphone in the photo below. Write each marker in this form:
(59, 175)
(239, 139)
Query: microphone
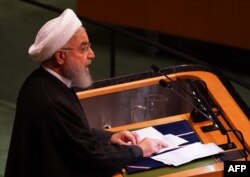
(156, 69)
(205, 106)
(164, 83)
(197, 96)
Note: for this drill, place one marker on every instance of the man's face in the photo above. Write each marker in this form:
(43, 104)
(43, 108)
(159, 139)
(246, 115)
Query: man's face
(79, 56)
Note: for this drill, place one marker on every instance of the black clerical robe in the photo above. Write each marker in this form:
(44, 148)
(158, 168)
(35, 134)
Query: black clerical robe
(51, 136)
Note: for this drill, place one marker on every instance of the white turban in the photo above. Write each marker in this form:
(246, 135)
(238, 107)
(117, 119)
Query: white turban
(53, 35)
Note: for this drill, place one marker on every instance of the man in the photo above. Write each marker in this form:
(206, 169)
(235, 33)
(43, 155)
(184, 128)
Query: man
(51, 136)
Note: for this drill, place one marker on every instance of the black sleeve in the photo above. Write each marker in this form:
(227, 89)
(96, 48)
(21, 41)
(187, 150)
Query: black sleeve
(79, 145)
(102, 135)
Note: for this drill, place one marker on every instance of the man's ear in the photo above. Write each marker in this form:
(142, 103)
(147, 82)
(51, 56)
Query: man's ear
(60, 57)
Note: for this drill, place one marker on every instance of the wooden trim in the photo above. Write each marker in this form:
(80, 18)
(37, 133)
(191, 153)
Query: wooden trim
(208, 171)
(151, 122)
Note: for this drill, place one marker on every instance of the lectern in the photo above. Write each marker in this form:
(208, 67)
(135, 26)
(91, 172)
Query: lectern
(111, 104)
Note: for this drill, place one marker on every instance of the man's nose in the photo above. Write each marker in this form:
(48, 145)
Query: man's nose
(91, 54)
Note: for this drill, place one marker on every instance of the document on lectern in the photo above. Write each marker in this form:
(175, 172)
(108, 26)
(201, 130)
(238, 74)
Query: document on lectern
(188, 153)
(171, 140)
(177, 135)
(181, 154)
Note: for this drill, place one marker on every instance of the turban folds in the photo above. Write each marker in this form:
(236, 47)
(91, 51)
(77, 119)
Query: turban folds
(53, 35)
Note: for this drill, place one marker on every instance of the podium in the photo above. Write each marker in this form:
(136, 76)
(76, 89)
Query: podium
(233, 113)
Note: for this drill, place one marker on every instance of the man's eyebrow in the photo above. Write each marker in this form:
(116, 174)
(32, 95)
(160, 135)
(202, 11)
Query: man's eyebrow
(84, 43)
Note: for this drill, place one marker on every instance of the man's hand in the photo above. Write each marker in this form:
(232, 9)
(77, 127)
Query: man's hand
(125, 138)
(151, 146)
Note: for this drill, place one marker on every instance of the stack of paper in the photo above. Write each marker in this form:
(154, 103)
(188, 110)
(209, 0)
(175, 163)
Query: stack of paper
(181, 155)
(171, 140)
(188, 153)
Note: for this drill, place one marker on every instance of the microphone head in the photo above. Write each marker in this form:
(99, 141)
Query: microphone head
(155, 68)
(163, 83)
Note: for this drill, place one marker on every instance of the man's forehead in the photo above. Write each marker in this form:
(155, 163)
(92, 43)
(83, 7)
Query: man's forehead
(79, 37)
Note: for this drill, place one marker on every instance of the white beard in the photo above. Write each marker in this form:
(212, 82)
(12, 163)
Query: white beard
(78, 73)
(83, 79)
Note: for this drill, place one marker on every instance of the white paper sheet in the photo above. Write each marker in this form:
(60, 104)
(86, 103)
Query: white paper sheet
(188, 153)
(171, 140)
(149, 132)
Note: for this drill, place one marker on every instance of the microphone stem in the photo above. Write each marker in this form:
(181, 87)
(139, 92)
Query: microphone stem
(179, 86)
(190, 102)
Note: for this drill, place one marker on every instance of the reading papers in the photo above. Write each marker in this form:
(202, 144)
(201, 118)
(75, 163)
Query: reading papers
(188, 153)
(171, 140)
(180, 155)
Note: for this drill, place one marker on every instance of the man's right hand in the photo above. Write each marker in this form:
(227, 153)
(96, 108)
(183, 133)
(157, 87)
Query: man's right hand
(151, 146)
